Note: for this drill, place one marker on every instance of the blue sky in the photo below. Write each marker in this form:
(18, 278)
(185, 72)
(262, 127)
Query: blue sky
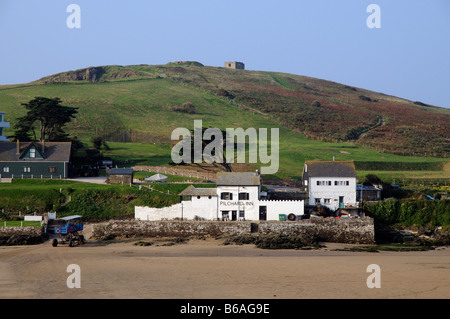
(408, 57)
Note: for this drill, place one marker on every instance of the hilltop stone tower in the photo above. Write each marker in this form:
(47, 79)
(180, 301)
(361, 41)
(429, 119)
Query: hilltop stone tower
(235, 65)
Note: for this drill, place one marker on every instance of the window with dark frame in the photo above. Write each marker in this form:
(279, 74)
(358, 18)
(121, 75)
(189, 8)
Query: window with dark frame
(244, 196)
(226, 196)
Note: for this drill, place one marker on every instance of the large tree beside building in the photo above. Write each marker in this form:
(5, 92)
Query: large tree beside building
(44, 121)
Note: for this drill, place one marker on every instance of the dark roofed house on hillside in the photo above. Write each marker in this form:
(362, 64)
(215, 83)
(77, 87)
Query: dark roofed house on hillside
(35, 159)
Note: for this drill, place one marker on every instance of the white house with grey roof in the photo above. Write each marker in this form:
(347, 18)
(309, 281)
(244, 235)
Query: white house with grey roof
(238, 196)
(330, 183)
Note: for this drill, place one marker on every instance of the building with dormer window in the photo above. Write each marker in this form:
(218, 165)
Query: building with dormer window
(35, 159)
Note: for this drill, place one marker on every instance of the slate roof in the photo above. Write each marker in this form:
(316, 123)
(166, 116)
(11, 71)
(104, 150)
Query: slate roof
(121, 171)
(329, 169)
(238, 179)
(366, 188)
(53, 151)
(193, 191)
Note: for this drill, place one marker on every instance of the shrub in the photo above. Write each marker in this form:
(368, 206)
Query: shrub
(187, 107)
(365, 98)
(98, 142)
(316, 104)
(372, 179)
(225, 93)
(419, 212)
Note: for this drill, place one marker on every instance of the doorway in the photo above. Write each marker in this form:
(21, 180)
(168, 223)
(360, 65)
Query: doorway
(262, 212)
(341, 201)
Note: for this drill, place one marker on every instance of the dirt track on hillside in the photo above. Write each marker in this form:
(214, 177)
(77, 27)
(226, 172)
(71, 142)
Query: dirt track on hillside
(206, 269)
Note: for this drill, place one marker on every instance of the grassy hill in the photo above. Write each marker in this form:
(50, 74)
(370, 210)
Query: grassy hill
(318, 119)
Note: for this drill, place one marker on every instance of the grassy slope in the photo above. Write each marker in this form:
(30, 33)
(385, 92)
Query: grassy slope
(71, 197)
(142, 101)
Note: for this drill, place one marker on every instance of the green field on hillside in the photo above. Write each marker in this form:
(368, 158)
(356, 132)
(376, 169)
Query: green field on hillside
(294, 150)
(139, 104)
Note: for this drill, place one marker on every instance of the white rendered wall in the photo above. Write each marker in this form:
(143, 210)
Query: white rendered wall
(249, 207)
(284, 207)
(203, 208)
(332, 192)
(33, 218)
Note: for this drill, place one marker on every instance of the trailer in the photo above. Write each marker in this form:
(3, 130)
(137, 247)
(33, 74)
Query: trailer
(61, 231)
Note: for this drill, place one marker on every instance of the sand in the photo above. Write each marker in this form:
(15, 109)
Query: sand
(206, 269)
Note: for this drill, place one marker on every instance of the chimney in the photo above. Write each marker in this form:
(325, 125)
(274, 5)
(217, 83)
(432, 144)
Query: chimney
(18, 147)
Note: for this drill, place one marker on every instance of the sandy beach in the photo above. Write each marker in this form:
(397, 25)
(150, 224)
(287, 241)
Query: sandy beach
(207, 269)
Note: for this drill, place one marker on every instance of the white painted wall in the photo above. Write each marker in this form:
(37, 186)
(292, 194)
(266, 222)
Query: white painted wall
(284, 207)
(32, 218)
(214, 207)
(249, 207)
(203, 208)
(332, 192)
(206, 208)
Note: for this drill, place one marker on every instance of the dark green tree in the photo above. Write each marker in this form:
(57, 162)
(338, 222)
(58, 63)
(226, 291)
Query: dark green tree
(98, 142)
(44, 120)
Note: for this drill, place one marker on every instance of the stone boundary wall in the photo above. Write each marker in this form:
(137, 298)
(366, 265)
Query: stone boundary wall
(137, 228)
(351, 231)
(342, 230)
(22, 235)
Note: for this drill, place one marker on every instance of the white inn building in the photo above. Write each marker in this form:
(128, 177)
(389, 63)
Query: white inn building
(238, 196)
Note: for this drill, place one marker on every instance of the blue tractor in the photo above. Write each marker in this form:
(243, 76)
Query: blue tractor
(62, 231)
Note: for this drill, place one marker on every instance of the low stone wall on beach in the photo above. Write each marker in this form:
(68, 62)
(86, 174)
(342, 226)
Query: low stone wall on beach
(137, 228)
(354, 231)
(342, 230)
(348, 230)
(22, 236)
